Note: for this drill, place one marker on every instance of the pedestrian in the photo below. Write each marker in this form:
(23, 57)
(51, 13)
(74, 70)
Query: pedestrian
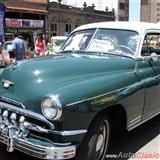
(18, 47)
(6, 58)
(26, 46)
(40, 45)
(2, 63)
(49, 47)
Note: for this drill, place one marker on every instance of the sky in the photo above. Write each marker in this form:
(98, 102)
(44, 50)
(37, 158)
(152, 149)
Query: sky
(134, 6)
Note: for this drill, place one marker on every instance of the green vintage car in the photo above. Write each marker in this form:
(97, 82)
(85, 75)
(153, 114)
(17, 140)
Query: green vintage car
(106, 76)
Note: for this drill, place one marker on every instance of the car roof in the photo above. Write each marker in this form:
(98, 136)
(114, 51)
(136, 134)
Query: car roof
(59, 37)
(135, 26)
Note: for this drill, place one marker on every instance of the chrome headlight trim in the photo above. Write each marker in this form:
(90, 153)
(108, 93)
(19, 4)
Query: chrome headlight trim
(56, 104)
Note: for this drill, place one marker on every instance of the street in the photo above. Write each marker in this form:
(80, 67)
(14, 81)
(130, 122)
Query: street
(145, 138)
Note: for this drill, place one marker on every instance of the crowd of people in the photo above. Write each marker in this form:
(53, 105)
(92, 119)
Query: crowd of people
(21, 49)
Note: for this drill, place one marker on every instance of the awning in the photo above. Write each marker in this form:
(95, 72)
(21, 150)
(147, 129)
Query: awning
(27, 10)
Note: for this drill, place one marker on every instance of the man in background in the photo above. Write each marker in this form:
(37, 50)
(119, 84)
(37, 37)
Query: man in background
(18, 47)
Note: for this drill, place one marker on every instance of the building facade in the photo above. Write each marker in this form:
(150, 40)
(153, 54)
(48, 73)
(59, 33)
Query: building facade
(150, 11)
(123, 10)
(25, 17)
(62, 19)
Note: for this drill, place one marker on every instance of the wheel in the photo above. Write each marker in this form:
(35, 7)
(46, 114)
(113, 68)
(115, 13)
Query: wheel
(126, 49)
(96, 141)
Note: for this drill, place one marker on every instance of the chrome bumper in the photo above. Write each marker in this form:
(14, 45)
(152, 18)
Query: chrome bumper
(40, 148)
(15, 132)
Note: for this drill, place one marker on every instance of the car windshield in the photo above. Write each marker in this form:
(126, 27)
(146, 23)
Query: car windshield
(114, 41)
(59, 42)
(8, 46)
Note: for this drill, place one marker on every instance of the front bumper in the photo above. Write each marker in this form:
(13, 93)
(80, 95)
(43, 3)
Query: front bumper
(39, 148)
(16, 126)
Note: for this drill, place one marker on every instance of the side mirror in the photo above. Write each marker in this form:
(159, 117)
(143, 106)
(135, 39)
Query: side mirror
(154, 56)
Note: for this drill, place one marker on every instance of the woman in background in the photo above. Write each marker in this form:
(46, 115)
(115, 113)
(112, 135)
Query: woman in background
(40, 45)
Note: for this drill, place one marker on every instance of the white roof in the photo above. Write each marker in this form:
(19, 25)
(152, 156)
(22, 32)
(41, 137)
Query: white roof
(136, 26)
(59, 37)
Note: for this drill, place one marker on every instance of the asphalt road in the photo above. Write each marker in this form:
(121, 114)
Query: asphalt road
(143, 139)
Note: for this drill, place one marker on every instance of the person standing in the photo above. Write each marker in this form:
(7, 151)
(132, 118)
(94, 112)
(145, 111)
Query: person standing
(18, 47)
(1, 56)
(40, 45)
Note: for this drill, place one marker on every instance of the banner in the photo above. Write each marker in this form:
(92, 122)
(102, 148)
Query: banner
(24, 23)
(2, 23)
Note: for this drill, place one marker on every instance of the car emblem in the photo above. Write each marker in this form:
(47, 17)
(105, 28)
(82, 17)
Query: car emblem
(7, 84)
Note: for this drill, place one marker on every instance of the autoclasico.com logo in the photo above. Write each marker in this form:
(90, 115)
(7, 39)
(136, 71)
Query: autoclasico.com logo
(137, 155)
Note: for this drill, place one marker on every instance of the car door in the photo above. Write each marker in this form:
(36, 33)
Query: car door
(151, 55)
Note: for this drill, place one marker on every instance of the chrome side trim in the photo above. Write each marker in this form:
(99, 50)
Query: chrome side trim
(25, 112)
(139, 117)
(111, 92)
(70, 133)
(88, 99)
(129, 129)
(134, 121)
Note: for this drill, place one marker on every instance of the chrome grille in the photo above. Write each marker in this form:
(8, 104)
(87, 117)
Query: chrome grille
(32, 116)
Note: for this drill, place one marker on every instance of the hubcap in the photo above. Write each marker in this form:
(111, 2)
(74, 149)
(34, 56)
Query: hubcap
(102, 140)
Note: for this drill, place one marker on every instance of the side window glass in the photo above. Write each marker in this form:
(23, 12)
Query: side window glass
(151, 44)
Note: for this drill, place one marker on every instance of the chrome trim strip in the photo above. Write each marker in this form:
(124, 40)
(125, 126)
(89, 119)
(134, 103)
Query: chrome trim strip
(136, 120)
(129, 129)
(6, 81)
(26, 113)
(11, 100)
(105, 94)
(70, 133)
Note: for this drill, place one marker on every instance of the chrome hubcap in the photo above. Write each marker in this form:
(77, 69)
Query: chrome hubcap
(102, 140)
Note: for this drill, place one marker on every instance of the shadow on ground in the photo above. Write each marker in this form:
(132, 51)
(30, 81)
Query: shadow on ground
(120, 142)
(131, 142)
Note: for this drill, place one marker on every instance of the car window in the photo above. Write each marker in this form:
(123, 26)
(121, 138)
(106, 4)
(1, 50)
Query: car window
(79, 40)
(151, 44)
(59, 42)
(113, 41)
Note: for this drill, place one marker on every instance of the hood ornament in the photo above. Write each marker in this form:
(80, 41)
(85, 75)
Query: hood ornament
(7, 84)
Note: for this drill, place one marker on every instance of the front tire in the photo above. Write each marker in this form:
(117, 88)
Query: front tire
(96, 141)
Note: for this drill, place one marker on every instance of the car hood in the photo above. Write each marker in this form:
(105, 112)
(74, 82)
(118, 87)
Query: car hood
(64, 76)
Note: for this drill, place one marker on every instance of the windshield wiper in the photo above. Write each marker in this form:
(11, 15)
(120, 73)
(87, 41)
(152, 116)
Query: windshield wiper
(71, 51)
(67, 51)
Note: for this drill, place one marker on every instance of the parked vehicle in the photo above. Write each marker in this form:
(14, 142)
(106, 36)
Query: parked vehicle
(4, 51)
(105, 77)
(7, 46)
(55, 44)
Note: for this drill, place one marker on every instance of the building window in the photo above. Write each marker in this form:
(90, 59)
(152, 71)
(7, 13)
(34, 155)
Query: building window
(68, 28)
(54, 29)
(122, 6)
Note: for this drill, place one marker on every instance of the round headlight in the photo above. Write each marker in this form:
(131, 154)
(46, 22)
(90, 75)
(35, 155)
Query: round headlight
(51, 107)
